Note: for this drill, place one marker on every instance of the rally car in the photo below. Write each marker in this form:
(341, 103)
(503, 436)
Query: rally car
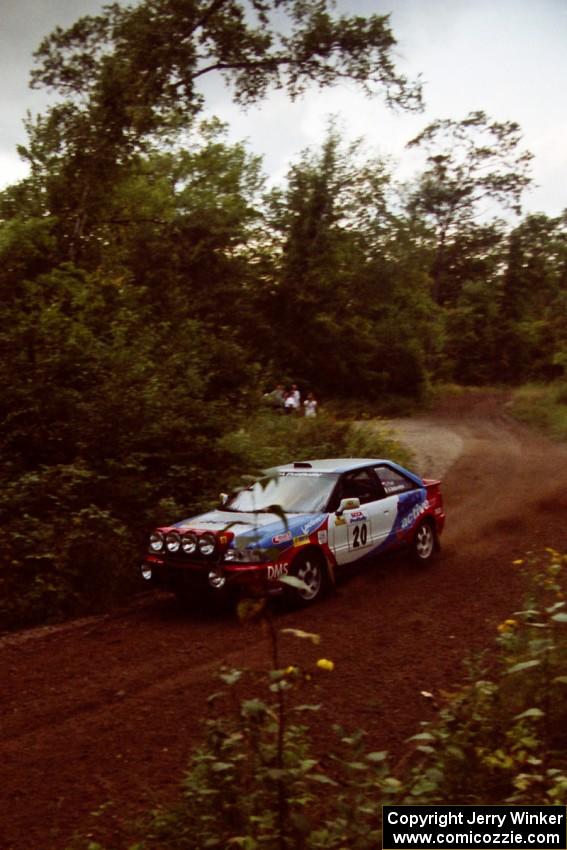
(303, 519)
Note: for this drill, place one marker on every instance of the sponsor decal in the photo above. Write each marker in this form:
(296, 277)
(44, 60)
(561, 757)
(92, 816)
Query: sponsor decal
(311, 525)
(285, 537)
(411, 517)
(391, 488)
(301, 474)
(322, 537)
(276, 571)
(357, 516)
(340, 520)
(302, 540)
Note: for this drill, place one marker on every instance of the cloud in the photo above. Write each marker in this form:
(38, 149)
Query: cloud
(507, 58)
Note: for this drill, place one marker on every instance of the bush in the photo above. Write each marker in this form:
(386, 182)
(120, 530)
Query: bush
(503, 738)
(270, 439)
(544, 406)
(61, 553)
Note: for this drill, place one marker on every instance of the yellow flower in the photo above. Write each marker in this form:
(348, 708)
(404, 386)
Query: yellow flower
(518, 562)
(325, 664)
(290, 670)
(507, 626)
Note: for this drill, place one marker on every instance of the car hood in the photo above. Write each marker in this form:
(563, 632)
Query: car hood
(260, 530)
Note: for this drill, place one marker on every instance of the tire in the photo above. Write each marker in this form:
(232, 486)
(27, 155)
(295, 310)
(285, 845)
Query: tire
(310, 568)
(424, 543)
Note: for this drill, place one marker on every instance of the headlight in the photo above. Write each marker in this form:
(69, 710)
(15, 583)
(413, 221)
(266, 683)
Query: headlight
(245, 556)
(207, 544)
(172, 541)
(189, 542)
(156, 542)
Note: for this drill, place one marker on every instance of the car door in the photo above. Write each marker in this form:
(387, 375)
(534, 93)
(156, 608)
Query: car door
(356, 532)
(409, 501)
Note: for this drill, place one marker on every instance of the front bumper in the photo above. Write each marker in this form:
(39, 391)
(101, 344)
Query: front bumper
(220, 577)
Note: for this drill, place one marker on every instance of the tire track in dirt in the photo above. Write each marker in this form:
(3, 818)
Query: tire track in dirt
(106, 711)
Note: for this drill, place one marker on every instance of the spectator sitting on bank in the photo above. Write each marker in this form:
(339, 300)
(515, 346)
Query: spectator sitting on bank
(310, 405)
(296, 396)
(276, 398)
(290, 405)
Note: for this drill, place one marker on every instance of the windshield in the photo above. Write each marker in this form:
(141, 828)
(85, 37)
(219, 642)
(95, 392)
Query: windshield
(294, 492)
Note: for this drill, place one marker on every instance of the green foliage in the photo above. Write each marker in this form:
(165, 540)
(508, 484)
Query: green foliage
(543, 405)
(136, 67)
(61, 552)
(353, 322)
(108, 413)
(502, 738)
(270, 439)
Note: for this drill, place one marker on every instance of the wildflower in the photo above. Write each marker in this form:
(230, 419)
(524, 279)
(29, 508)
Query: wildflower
(507, 626)
(518, 562)
(325, 664)
(289, 671)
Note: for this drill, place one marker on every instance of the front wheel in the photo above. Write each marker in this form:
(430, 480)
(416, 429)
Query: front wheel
(309, 567)
(424, 543)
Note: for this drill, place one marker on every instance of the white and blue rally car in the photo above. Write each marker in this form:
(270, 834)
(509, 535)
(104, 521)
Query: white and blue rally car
(303, 519)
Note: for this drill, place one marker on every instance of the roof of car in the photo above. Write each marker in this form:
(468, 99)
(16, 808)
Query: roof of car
(341, 464)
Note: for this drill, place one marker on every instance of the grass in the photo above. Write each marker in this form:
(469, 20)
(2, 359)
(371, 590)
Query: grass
(543, 406)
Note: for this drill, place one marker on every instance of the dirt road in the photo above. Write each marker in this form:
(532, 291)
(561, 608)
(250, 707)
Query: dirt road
(103, 713)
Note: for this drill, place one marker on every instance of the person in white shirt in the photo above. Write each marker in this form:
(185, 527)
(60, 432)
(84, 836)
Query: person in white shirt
(310, 405)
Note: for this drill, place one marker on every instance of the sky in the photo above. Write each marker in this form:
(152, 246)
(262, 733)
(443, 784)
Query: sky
(505, 57)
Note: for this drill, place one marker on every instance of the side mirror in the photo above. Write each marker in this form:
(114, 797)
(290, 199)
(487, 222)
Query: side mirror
(347, 505)
(223, 498)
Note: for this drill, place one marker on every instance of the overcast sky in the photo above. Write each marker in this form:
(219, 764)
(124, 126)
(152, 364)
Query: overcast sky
(506, 57)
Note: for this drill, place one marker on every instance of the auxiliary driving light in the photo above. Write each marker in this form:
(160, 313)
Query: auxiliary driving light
(172, 541)
(146, 572)
(207, 544)
(156, 541)
(189, 542)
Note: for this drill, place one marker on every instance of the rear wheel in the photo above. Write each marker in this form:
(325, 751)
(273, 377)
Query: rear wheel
(424, 543)
(309, 567)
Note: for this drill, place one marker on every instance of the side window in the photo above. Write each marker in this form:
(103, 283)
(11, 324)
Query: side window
(362, 485)
(393, 482)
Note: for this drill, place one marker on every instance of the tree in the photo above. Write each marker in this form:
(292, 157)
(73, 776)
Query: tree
(118, 379)
(130, 77)
(533, 306)
(136, 68)
(473, 165)
(348, 322)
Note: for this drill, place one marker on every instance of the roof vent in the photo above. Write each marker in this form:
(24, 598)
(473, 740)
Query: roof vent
(301, 464)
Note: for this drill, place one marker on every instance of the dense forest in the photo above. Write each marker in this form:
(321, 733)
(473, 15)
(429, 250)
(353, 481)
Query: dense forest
(153, 287)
